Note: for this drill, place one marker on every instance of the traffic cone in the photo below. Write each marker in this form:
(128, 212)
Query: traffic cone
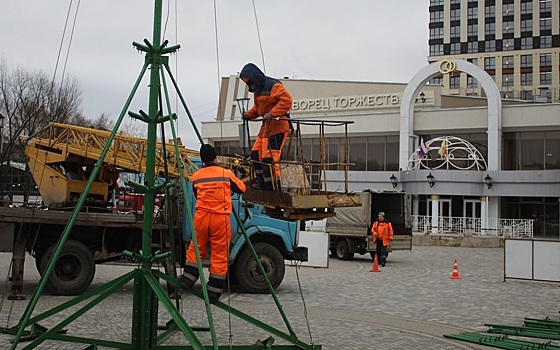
(375, 267)
(455, 275)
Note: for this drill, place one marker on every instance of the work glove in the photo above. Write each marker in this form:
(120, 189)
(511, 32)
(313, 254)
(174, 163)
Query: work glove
(267, 116)
(245, 117)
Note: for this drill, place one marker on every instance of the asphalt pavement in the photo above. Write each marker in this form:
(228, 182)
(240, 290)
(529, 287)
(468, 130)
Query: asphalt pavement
(411, 303)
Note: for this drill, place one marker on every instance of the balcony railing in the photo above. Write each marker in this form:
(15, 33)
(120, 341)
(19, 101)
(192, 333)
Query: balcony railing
(507, 228)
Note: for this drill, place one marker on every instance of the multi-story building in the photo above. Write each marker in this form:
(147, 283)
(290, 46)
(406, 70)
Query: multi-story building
(517, 42)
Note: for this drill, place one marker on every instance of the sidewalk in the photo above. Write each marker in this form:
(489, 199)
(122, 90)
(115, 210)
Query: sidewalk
(410, 304)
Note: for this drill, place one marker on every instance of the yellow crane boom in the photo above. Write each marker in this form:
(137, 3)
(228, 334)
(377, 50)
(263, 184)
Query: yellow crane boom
(61, 157)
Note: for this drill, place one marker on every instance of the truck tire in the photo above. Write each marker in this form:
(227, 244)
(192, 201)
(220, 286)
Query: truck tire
(343, 250)
(247, 271)
(73, 271)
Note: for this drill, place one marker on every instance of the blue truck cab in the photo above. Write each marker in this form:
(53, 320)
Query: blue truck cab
(274, 241)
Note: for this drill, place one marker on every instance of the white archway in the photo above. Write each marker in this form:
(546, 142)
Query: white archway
(407, 138)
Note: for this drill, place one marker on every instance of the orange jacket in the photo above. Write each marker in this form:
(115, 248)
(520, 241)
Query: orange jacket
(212, 186)
(270, 97)
(382, 230)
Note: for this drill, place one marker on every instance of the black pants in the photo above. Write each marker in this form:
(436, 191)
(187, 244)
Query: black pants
(381, 251)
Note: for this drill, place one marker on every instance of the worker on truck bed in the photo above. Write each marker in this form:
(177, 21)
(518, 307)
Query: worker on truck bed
(382, 232)
(272, 102)
(212, 187)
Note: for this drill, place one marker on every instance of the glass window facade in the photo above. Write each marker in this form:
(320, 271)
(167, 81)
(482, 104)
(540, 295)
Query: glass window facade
(531, 150)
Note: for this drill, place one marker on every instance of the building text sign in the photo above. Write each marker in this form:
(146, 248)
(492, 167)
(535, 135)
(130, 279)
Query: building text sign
(349, 102)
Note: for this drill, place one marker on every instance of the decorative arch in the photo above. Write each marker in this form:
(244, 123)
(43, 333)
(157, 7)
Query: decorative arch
(447, 153)
(407, 136)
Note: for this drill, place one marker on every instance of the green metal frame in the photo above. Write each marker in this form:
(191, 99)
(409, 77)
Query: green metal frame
(148, 293)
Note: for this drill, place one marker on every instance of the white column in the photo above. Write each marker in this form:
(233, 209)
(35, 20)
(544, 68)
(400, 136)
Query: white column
(415, 205)
(435, 214)
(483, 215)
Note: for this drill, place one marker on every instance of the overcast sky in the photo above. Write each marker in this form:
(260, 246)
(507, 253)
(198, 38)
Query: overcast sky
(352, 40)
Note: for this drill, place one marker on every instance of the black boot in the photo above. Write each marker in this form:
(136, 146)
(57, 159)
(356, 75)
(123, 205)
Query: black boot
(215, 287)
(189, 276)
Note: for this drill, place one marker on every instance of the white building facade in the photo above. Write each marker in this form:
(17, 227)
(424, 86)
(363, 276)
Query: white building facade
(502, 159)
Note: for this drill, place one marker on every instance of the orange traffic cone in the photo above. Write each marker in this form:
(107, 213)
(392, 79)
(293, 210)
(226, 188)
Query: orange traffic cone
(455, 275)
(375, 267)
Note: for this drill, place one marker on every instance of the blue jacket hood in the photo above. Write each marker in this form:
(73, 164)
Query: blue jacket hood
(263, 84)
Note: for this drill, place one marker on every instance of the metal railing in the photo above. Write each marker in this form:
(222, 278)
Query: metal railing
(507, 228)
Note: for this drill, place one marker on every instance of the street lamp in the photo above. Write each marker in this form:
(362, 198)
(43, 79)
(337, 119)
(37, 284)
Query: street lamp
(243, 104)
(430, 178)
(488, 180)
(393, 180)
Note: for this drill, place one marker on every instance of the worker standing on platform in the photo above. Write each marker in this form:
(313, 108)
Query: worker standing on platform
(272, 102)
(212, 187)
(382, 232)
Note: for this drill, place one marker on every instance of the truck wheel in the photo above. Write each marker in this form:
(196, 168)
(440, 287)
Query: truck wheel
(72, 272)
(247, 271)
(343, 250)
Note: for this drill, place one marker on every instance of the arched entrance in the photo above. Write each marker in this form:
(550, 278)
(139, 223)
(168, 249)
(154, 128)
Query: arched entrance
(445, 67)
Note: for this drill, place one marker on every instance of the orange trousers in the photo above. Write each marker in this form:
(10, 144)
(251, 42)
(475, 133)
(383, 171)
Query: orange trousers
(216, 229)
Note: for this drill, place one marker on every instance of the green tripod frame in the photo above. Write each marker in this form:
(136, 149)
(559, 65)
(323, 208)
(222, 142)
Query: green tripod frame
(148, 293)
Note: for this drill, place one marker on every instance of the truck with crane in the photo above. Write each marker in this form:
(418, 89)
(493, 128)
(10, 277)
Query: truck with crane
(61, 158)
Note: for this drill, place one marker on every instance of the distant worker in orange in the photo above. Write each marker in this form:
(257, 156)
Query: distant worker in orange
(382, 232)
(212, 187)
(272, 102)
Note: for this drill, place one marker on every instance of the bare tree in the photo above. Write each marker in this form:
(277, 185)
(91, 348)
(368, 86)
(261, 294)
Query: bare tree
(29, 101)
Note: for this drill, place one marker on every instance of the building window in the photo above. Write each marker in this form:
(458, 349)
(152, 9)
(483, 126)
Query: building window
(436, 81)
(472, 30)
(546, 78)
(436, 50)
(472, 47)
(490, 11)
(507, 45)
(455, 15)
(490, 28)
(490, 45)
(507, 27)
(436, 16)
(455, 1)
(455, 31)
(507, 79)
(507, 9)
(489, 63)
(526, 61)
(436, 2)
(546, 5)
(526, 79)
(455, 82)
(473, 61)
(526, 95)
(472, 12)
(507, 62)
(546, 41)
(436, 33)
(471, 82)
(546, 59)
(526, 7)
(546, 23)
(526, 25)
(455, 48)
(526, 43)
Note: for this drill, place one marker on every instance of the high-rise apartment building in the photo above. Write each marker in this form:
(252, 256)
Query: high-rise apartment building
(516, 41)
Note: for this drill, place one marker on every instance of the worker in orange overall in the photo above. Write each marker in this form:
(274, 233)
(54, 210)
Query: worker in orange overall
(382, 232)
(272, 102)
(212, 187)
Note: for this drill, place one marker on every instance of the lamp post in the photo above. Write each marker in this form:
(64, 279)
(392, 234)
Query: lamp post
(244, 136)
(488, 180)
(430, 178)
(393, 179)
